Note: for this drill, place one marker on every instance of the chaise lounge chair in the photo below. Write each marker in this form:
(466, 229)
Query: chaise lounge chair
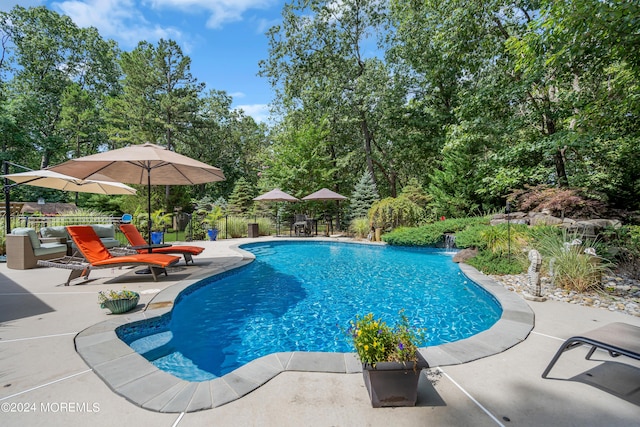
(135, 239)
(98, 256)
(617, 338)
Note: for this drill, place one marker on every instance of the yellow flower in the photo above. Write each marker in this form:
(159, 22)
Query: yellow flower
(366, 347)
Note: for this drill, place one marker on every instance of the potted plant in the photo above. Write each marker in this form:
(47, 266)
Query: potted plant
(391, 363)
(159, 220)
(211, 219)
(118, 301)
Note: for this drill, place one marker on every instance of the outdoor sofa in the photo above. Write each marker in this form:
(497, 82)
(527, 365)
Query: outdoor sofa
(59, 234)
(24, 249)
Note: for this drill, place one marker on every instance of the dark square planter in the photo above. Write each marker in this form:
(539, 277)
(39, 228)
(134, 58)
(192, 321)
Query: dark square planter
(393, 384)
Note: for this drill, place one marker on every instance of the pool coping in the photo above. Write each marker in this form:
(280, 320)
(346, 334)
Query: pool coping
(131, 376)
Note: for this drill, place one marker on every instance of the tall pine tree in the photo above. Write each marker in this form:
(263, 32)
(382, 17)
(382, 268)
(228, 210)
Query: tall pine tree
(364, 194)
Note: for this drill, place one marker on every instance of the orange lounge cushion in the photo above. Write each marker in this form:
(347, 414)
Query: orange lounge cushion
(97, 254)
(157, 260)
(135, 238)
(193, 250)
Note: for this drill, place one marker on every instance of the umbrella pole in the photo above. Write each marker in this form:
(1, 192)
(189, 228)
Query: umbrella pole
(149, 206)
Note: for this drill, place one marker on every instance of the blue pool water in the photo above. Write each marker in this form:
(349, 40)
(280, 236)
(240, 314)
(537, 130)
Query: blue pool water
(300, 296)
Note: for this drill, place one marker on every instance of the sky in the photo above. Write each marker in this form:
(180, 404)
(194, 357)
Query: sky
(225, 39)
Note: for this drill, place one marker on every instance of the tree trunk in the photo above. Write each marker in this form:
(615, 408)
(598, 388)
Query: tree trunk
(367, 148)
(561, 172)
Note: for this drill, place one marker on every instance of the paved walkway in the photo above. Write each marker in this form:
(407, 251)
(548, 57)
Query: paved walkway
(44, 381)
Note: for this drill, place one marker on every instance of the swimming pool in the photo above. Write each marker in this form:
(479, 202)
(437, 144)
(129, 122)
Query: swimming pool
(300, 296)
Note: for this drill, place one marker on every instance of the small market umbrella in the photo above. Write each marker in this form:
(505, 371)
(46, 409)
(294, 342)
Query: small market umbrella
(57, 181)
(146, 164)
(276, 195)
(326, 194)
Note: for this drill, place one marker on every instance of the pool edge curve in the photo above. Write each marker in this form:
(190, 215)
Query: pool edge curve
(130, 375)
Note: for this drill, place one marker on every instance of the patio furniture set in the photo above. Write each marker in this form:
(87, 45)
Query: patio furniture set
(81, 248)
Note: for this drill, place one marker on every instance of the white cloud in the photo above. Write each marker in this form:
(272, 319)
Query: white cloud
(125, 21)
(221, 11)
(117, 19)
(259, 112)
(237, 95)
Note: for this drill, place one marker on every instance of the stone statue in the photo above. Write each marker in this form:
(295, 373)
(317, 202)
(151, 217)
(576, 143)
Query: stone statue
(534, 276)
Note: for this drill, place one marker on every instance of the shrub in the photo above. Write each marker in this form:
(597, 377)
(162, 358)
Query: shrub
(570, 267)
(395, 212)
(360, 227)
(264, 226)
(571, 202)
(431, 234)
(235, 227)
(493, 263)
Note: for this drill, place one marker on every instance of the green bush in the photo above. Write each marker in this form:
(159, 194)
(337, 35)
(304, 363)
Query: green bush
(493, 263)
(431, 234)
(393, 212)
(264, 226)
(236, 226)
(569, 265)
(360, 227)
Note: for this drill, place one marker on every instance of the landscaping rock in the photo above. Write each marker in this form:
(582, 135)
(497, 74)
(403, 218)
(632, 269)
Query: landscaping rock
(464, 255)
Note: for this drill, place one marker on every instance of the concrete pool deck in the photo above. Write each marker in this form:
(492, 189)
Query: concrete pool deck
(45, 381)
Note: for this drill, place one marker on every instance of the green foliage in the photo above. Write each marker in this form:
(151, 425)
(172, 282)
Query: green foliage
(233, 227)
(241, 200)
(431, 234)
(623, 246)
(264, 226)
(159, 220)
(569, 265)
(375, 341)
(393, 212)
(495, 263)
(213, 217)
(111, 295)
(360, 227)
(363, 196)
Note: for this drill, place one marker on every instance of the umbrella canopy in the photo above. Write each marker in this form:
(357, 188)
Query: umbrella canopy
(146, 164)
(276, 195)
(50, 179)
(134, 165)
(324, 194)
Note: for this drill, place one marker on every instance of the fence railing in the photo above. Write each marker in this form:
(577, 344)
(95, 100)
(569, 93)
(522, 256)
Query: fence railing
(228, 226)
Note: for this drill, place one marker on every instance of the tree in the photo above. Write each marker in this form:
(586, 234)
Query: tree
(50, 53)
(363, 196)
(321, 68)
(241, 200)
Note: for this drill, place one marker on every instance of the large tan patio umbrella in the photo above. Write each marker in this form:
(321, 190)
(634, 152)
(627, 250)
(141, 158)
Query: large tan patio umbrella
(276, 195)
(57, 181)
(146, 164)
(326, 194)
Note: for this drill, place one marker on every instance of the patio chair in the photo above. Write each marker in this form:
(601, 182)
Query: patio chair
(135, 239)
(300, 225)
(617, 338)
(98, 256)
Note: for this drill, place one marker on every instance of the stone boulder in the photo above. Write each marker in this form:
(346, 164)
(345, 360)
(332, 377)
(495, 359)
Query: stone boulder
(592, 227)
(540, 218)
(465, 255)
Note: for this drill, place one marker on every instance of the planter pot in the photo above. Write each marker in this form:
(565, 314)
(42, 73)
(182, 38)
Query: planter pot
(156, 237)
(393, 384)
(118, 306)
(212, 233)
